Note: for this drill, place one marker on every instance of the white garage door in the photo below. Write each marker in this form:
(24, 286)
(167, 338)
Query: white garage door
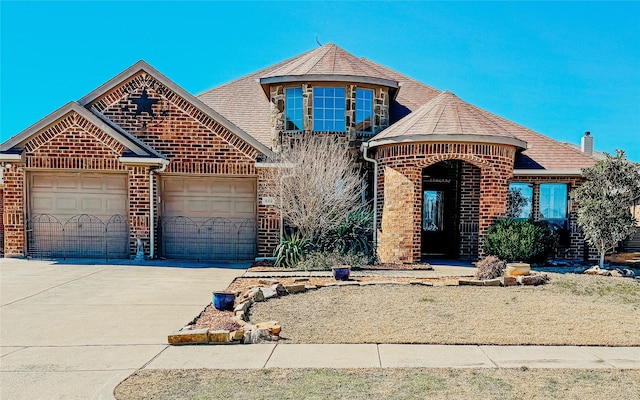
(208, 219)
(78, 215)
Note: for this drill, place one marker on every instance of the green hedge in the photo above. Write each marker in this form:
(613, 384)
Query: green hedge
(520, 240)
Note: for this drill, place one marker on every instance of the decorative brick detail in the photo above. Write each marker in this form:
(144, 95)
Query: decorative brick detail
(268, 219)
(194, 142)
(490, 164)
(1, 219)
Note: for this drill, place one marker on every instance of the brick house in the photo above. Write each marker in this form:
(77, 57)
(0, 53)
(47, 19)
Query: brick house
(141, 165)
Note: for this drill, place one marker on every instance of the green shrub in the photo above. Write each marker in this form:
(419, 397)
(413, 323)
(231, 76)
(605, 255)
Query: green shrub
(520, 240)
(325, 261)
(490, 267)
(291, 250)
(353, 236)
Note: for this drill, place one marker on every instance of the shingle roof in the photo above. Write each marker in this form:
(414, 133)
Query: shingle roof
(447, 117)
(329, 61)
(244, 103)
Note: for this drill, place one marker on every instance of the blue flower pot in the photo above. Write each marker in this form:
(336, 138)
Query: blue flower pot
(341, 273)
(224, 301)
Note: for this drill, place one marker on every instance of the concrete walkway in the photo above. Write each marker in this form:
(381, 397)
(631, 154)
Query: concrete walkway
(76, 331)
(394, 356)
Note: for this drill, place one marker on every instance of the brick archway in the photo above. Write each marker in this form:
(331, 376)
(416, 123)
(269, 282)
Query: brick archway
(400, 190)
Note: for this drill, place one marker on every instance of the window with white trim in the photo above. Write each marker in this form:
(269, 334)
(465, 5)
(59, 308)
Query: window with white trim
(293, 109)
(364, 110)
(553, 202)
(329, 110)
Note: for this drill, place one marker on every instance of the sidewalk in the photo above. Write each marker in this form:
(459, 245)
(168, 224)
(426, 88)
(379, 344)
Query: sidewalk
(394, 356)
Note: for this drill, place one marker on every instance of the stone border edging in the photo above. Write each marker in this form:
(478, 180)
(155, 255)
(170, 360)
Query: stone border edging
(270, 331)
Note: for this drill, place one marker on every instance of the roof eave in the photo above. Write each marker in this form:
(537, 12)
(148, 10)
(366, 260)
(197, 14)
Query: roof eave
(330, 78)
(470, 138)
(547, 172)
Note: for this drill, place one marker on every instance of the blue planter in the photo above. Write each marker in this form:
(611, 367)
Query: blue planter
(341, 273)
(224, 301)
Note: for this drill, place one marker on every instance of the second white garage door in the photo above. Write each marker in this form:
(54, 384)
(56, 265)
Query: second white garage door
(208, 219)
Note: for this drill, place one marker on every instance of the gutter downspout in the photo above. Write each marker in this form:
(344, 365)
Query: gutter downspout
(152, 233)
(365, 149)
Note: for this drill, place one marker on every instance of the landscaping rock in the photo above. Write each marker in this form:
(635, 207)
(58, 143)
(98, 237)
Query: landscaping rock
(193, 336)
(237, 335)
(508, 281)
(532, 280)
(256, 336)
(470, 282)
(221, 336)
(301, 280)
(279, 289)
(295, 288)
(310, 287)
(256, 295)
(268, 293)
(493, 282)
(268, 281)
(242, 308)
(273, 327)
(241, 316)
(596, 270)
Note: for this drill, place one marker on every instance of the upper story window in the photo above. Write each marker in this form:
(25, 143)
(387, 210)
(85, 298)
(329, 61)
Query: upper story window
(364, 110)
(328, 110)
(293, 109)
(520, 200)
(553, 202)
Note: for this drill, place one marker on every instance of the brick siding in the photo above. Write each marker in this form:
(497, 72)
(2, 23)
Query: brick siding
(400, 181)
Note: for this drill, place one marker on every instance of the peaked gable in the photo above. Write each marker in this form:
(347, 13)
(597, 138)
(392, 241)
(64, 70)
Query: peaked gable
(150, 106)
(72, 114)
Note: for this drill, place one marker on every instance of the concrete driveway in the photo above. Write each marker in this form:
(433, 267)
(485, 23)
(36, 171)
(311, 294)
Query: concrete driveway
(75, 331)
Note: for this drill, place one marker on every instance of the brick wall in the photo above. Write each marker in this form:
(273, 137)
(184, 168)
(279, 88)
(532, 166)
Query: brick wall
(193, 142)
(1, 220)
(405, 162)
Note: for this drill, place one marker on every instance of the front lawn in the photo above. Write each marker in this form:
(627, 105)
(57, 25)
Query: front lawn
(401, 383)
(570, 310)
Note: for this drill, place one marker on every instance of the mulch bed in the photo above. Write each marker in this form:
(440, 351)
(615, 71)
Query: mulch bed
(263, 266)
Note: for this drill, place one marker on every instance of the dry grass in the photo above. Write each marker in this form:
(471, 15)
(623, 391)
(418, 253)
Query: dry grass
(418, 383)
(571, 310)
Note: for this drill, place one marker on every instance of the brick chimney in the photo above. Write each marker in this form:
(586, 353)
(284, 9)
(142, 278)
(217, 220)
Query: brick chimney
(586, 145)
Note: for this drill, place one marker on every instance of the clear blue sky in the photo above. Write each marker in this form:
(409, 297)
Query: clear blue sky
(558, 68)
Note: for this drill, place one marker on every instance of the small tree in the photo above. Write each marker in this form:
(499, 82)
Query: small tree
(516, 203)
(605, 200)
(316, 184)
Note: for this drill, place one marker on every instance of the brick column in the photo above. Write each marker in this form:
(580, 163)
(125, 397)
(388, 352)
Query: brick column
(398, 234)
(139, 218)
(268, 218)
(14, 212)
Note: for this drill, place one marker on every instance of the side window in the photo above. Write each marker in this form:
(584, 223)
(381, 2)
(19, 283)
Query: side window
(293, 109)
(553, 202)
(328, 110)
(520, 200)
(364, 110)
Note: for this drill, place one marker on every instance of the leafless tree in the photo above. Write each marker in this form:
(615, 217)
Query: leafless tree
(316, 184)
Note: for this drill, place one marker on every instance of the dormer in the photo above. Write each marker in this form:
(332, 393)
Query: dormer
(328, 91)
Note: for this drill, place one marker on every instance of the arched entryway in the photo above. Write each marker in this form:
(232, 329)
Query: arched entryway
(450, 202)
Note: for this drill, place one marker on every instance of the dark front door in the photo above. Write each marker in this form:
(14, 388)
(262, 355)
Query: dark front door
(434, 232)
